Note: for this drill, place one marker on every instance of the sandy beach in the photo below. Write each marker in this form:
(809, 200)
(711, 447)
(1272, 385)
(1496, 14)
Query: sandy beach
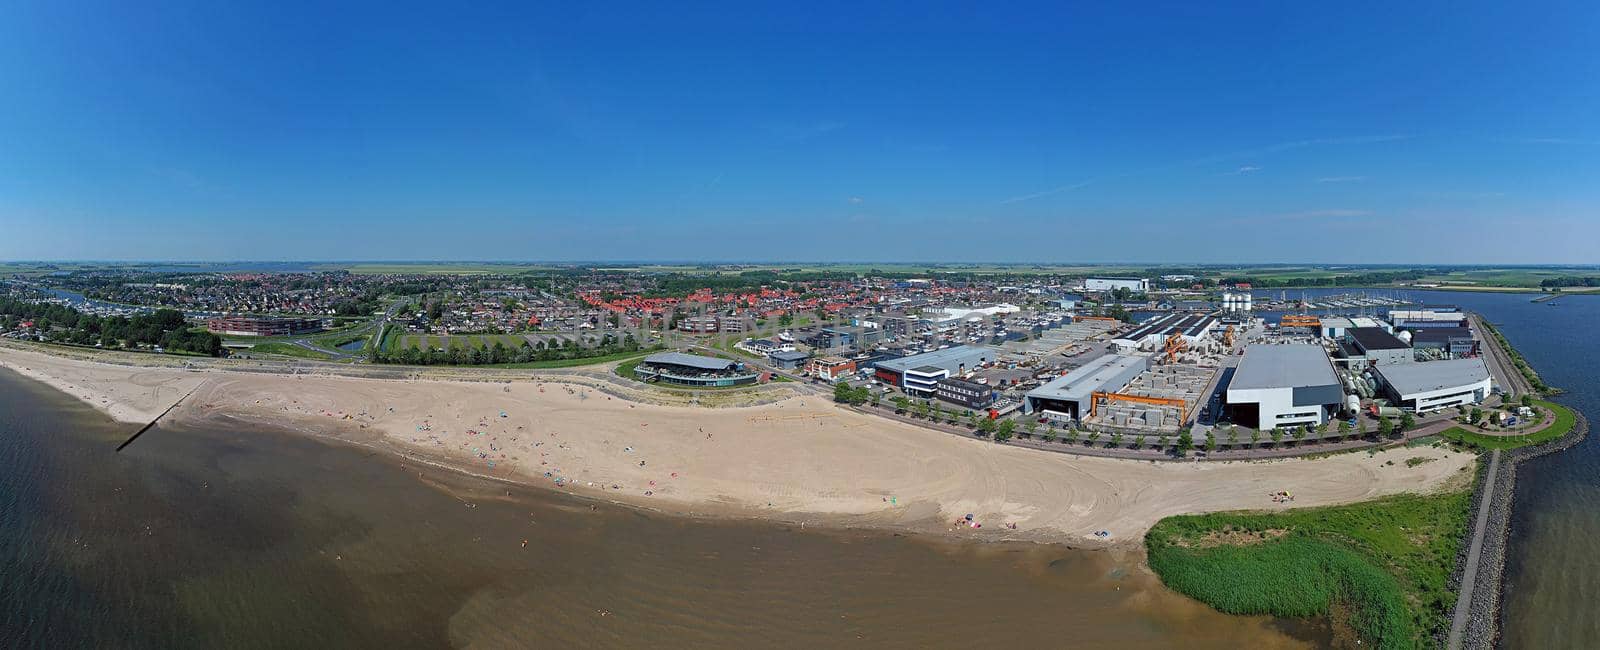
(802, 459)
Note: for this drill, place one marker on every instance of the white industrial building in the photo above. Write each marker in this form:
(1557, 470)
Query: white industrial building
(1151, 334)
(1136, 285)
(1068, 397)
(1335, 327)
(949, 314)
(1425, 387)
(1279, 386)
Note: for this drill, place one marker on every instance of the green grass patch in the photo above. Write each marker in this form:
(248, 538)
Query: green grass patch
(570, 363)
(289, 350)
(1563, 423)
(1381, 568)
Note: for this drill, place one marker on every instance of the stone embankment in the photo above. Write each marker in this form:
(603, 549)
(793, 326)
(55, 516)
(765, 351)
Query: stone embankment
(1480, 627)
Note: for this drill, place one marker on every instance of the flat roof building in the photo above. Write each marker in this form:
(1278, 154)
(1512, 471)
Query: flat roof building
(1283, 386)
(788, 359)
(1435, 385)
(693, 370)
(918, 373)
(970, 394)
(1377, 346)
(1194, 328)
(1068, 397)
(256, 326)
(1452, 340)
(1136, 285)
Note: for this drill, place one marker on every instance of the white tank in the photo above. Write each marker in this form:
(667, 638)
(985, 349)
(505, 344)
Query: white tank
(1405, 335)
(1352, 403)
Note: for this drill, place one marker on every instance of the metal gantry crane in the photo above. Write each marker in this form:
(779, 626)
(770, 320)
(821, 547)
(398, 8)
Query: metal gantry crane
(1175, 344)
(1096, 396)
(1300, 320)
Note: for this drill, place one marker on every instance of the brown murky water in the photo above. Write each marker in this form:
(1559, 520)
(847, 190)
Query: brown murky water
(227, 538)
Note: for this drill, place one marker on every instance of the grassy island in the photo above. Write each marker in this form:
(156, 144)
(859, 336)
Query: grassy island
(1379, 569)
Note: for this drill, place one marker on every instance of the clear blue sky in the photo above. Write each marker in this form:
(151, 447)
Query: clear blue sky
(1274, 131)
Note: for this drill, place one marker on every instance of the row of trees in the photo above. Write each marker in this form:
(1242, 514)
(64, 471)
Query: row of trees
(1570, 281)
(499, 353)
(1336, 280)
(61, 324)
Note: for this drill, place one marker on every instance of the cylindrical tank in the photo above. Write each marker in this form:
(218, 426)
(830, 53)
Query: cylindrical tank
(1352, 403)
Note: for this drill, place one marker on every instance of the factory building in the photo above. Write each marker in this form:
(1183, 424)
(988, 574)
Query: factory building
(1453, 341)
(1376, 347)
(1279, 386)
(961, 392)
(693, 370)
(1136, 285)
(1426, 387)
(1154, 332)
(1068, 397)
(918, 374)
(1427, 318)
(1335, 327)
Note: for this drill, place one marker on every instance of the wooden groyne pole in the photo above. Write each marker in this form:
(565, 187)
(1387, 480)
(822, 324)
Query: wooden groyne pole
(152, 423)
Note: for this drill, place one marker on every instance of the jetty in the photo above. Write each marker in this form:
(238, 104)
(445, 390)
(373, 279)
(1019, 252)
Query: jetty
(152, 423)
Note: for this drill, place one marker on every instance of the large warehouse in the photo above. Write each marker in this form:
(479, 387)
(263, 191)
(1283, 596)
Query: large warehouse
(1152, 333)
(1457, 341)
(1067, 397)
(919, 374)
(1136, 285)
(1282, 386)
(693, 370)
(1425, 387)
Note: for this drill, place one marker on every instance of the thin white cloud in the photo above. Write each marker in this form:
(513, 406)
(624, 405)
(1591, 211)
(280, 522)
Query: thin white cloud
(1461, 196)
(1040, 195)
(1335, 213)
(1251, 153)
(1326, 214)
(1247, 169)
(1341, 179)
(802, 132)
(1297, 144)
(1548, 141)
(856, 200)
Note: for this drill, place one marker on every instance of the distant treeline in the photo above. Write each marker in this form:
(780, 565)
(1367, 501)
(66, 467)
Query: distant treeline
(1588, 281)
(1339, 280)
(61, 324)
(501, 353)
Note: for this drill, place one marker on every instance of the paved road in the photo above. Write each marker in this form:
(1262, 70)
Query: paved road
(1505, 373)
(1469, 575)
(374, 326)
